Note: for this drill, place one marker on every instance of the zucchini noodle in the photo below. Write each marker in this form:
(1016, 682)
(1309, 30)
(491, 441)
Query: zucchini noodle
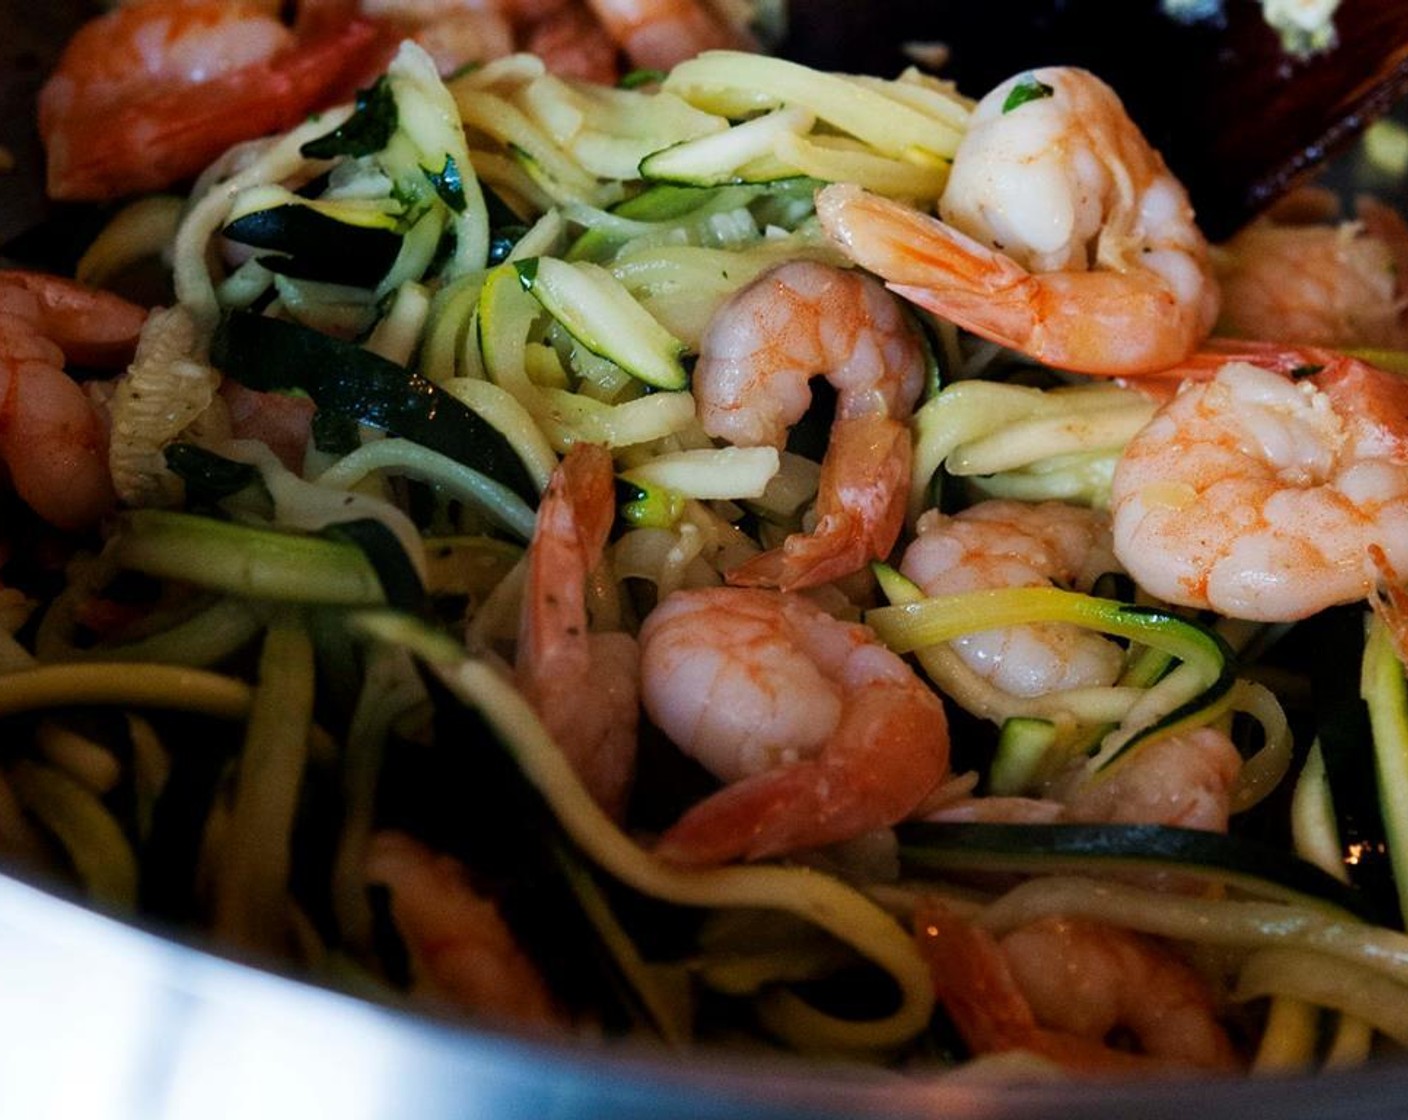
(195, 287)
(250, 894)
(124, 684)
(1338, 985)
(91, 837)
(909, 627)
(1325, 931)
(354, 518)
(495, 500)
(836, 908)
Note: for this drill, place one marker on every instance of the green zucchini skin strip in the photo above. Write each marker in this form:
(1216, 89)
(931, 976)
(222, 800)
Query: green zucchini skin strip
(1257, 868)
(340, 377)
(906, 627)
(244, 560)
(312, 246)
(1385, 691)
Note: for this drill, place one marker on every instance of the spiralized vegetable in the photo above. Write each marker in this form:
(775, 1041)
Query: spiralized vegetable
(314, 649)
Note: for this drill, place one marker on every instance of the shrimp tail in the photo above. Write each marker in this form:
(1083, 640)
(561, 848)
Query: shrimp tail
(860, 508)
(931, 264)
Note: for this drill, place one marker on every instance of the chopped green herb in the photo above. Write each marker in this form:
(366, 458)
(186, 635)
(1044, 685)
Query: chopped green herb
(527, 272)
(637, 78)
(1026, 89)
(366, 131)
(449, 184)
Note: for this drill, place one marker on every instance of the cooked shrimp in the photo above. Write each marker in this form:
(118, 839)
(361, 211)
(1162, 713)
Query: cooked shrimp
(820, 732)
(1016, 544)
(756, 357)
(460, 947)
(656, 34)
(453, 34)
(1319, 283)
(151, 92)
(1262, 496)
(584, 685)
(1063, 236)
(1184, 780)
(1060, 988)
(573, 44)
(53, 441)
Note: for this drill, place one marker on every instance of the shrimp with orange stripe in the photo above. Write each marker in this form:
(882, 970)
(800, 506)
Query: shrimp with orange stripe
(1063, 234)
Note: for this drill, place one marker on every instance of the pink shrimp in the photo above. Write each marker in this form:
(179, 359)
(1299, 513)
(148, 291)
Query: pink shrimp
(1183, 780)
(656, 34)
(53, 441)
(1063, 236)
(584, 685)
(151, 92)
(1319, 283)
(1059, 988)
(573, 44)
(821, 732)
(1019, 544)
(1265, 496)
(461, 949)
(756, 357)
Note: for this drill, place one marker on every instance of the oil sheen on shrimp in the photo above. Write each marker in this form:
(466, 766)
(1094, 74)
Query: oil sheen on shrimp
(584, 685)
(53, 442)
(1064, 988)
(1262, 496)
(1015, 544)
(1064, 235)
(819, 731)
(751, 383)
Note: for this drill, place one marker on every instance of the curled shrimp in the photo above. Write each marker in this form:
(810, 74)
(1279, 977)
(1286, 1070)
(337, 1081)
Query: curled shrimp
(757, 355)
(1015, 544)
(1063, 236)
(584, 685)
(1264, 496)
(1319, 283)
(1061, 988)
(150, 93)
(53, 441)
(820, 731)
(461, 950)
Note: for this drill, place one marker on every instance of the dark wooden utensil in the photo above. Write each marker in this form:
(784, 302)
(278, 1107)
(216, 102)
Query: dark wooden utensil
(1237, 118)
